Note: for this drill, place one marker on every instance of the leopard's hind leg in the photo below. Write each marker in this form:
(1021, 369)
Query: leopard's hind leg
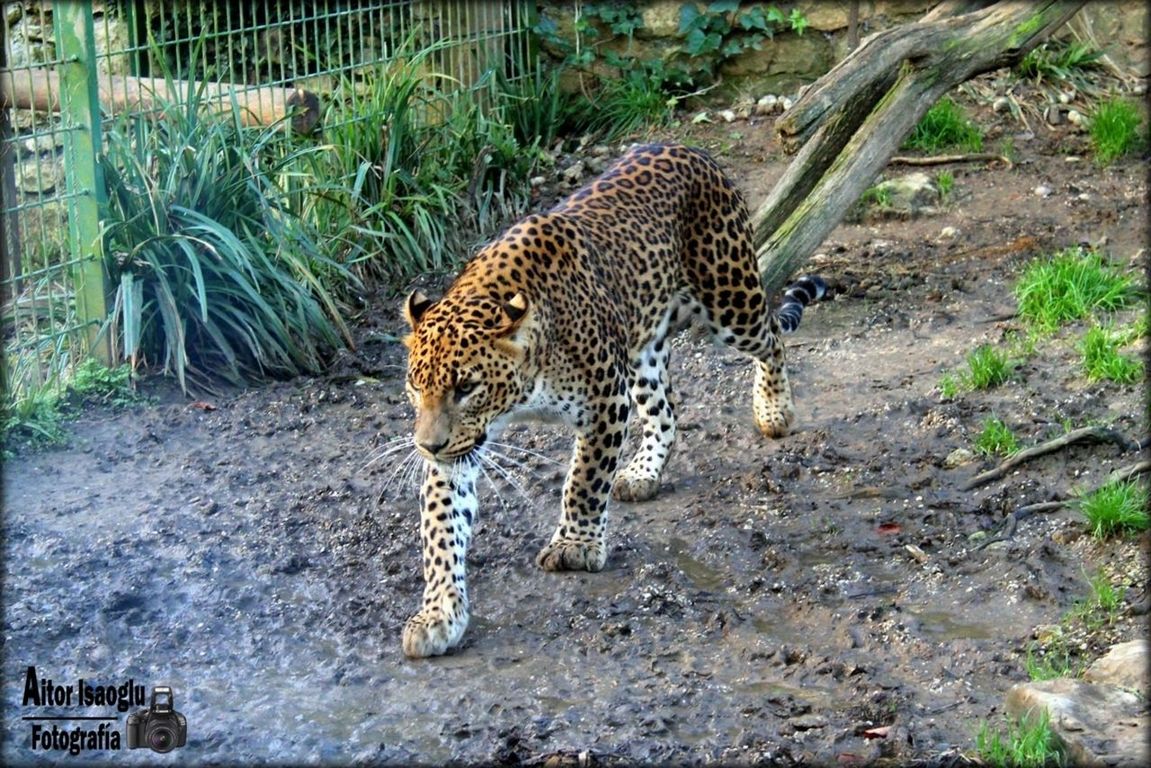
(652, 406)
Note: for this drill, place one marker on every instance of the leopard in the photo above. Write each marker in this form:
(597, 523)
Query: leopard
(566, 317)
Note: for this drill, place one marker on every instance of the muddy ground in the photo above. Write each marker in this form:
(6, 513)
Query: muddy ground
(830, 597)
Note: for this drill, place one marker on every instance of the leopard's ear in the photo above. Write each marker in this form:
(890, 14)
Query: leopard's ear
(514, 310)
(415, 307)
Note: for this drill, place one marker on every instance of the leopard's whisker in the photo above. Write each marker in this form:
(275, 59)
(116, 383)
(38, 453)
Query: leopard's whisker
(503, 447)
(483, 462)
(488, 457)
(391, 447)
(403, 472)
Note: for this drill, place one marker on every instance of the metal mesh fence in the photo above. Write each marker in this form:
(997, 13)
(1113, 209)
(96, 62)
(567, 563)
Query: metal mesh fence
(67, 67)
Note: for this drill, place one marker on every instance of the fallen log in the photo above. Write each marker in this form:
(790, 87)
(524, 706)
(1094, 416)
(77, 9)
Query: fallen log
(39, 89)
(848, 124)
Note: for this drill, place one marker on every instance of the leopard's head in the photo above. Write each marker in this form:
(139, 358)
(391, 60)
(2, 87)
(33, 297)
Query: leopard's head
(466, 369)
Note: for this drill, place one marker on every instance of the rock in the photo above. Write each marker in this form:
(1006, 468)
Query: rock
(1075, 117)
(948, 233)
(1043, 190)
(958, 458)
(1001, 104)
(1125, 666)
(39, 177)
(728, 115)
(661, 18)
(1096, 724)
(911, 195)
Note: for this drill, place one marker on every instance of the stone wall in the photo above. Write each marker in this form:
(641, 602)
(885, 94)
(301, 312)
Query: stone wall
(790, 60)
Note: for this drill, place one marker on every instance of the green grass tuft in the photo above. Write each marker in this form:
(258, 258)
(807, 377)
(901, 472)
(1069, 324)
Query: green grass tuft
(945, 126)
(1116, 509)
(988, 367)
(996, 439)
(1070, 285)
(1027, 743)
(1101, 358)
(1114, 129)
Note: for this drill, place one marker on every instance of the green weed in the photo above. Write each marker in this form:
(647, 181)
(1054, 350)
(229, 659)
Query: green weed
(1116, 509)
(996, 439)
(1114, 128)
(945, 182)
(1026, 743)
(1101, 358)
(945, 126)
(1049, 663)
(949, 386)
(1070, 285)
(93, 382)
(1101, 607)
(627, 105)
(988, 367)
(1056, 60)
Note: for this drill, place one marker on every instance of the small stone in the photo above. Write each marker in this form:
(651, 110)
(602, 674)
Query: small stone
(958, 458)
(785, 103)
(947, 233)
(728, 115)
(770, 100)
(1001, 104)
(1053, 114)
(1043, 190)
(1076, 118)
(574, 172)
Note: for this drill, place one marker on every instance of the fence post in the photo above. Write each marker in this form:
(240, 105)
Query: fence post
(80, 117)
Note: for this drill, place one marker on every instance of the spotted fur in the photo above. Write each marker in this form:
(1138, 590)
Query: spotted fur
(567, 316)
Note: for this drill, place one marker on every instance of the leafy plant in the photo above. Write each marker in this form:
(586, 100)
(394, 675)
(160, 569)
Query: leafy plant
(1025, 743)
(945, 126)
(1057, 60)
(1070, 285)
(996, 439)
(93, 382)
(1116, 509)
(216, 274)
(1101, 358)
(628, 104)
(1114, 129)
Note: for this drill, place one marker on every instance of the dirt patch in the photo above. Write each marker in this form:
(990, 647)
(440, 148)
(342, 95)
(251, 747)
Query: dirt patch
(826, 597)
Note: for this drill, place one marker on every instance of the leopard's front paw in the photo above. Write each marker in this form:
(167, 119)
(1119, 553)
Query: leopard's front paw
(564, 555)
(431, 632)
(634, 488)
(775, 424)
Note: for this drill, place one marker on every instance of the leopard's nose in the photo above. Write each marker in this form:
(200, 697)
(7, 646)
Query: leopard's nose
(432, 449)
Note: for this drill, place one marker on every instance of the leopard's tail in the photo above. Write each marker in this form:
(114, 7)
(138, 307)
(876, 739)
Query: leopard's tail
(798, 295)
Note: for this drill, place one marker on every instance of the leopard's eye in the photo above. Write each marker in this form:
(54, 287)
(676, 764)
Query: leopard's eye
(465, 388)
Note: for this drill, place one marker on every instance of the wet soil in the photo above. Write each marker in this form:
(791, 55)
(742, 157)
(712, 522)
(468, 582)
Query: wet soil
(831, 597)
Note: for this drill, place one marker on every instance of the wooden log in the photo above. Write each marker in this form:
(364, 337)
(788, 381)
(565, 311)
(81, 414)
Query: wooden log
(849, 123)
(39, 89)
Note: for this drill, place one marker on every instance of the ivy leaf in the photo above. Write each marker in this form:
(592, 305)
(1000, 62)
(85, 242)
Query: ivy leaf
(753, 18)
(723, 6)
(690, 19)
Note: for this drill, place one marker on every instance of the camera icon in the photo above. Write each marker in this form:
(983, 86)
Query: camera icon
(159, 727)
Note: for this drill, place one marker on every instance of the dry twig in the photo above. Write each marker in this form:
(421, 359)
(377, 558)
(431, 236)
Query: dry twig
(1097, 434)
